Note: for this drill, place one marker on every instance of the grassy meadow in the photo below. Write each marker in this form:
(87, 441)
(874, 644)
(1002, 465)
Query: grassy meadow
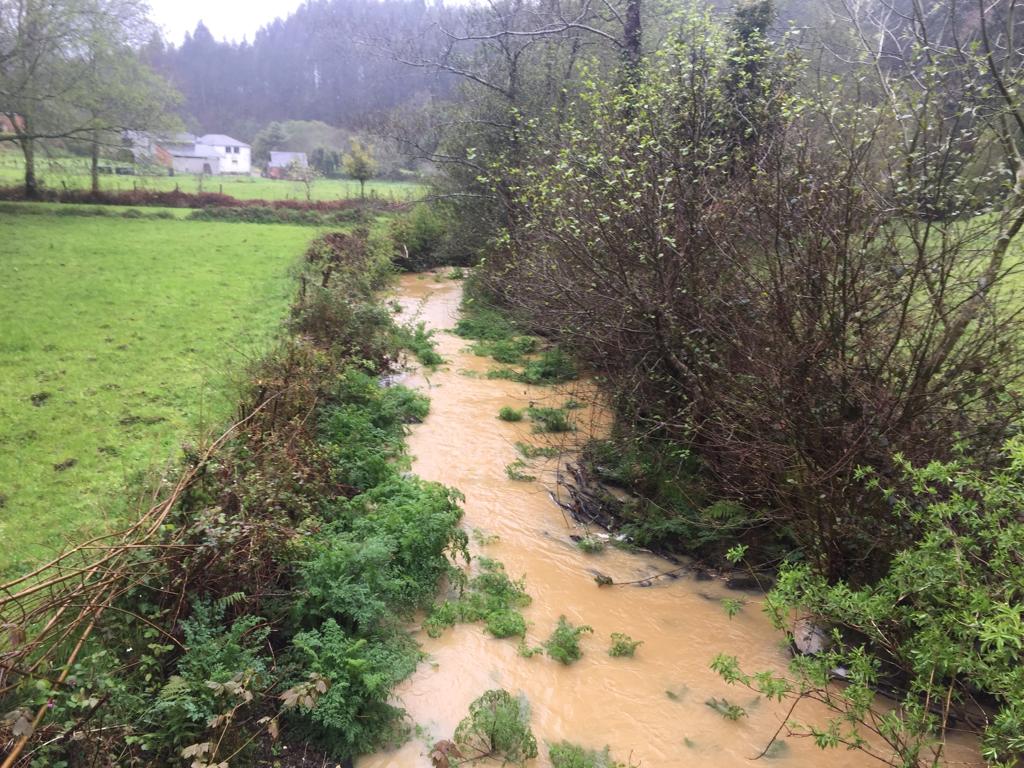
(73, 173)
(119, 338)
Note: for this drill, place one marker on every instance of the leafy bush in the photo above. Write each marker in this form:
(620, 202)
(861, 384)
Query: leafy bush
(484, 323)
(491, 596)
(566, 755)
(564, 644)
(364, 431)
(384, 554)
(552, 367)
(946, 616)
(590, 545)
(550, 420)
(194, 694)
(419, 341)
(510, 351)
(623, 645)
(353, 715)
(516, 471)
(537, 451)
(420, 232)
(508, 413)
(497, 728)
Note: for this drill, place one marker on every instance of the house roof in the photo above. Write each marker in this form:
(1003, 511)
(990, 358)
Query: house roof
(181, 138)
(193, 151)
(284, 159)
(220, 140)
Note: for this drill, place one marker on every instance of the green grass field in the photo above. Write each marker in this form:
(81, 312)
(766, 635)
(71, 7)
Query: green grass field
(73, 174)
(118, 340)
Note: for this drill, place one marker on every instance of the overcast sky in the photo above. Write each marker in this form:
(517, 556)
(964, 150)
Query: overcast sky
(226, 19)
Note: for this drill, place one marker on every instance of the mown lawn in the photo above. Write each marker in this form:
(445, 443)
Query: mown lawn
(73, 174)
(118, 340)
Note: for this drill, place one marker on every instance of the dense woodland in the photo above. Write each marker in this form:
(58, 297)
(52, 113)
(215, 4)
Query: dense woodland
(316, 65)
(785, 237)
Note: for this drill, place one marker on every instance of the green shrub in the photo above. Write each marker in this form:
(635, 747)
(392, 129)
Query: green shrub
(566, 755)
(623, 645)
(384, 554)
(515, 471)
(590, 545)
(491, 597)
(420, 233)
(419, 341)
(509, 351)
(352, 716)
(946, 615)
(484, 323)
(564, 644)
(550, 420)
(216, 655)
(552, 367)
(537, 451)
(497, 728)
(507, 413)
(363, 432)
(507, 623)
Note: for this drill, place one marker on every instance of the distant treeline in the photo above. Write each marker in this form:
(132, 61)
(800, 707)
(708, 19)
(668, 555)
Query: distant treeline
(321, 63)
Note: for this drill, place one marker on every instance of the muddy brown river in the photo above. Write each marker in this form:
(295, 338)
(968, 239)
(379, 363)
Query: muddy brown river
(650, 709)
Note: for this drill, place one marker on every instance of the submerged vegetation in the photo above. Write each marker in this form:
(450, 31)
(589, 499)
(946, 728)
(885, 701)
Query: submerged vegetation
(496, 728)
(490, 596)
(564, 644)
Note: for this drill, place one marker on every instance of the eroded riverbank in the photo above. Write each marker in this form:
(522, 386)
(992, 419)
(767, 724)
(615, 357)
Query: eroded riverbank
(649, 709)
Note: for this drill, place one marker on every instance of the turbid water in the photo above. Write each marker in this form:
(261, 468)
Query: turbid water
(650, 709)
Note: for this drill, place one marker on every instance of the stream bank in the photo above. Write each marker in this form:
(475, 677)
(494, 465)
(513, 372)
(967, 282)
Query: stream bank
(651, 709)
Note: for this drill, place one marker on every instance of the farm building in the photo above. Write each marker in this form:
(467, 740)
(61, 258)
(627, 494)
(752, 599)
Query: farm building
(214, 154)
(196, 159)
(282, 164)
(235, 155)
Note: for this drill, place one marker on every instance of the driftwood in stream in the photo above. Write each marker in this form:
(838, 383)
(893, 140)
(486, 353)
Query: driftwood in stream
(589, 502)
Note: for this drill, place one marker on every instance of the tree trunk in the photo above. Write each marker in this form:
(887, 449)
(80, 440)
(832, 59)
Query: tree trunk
(95, 167)
(362, 188)
(632, 42)
(28, 149)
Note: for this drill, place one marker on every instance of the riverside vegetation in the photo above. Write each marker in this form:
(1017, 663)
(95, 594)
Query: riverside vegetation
(792, 259)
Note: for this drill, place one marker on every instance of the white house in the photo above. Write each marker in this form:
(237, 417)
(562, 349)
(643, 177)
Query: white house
(214, 154)
(235, 156)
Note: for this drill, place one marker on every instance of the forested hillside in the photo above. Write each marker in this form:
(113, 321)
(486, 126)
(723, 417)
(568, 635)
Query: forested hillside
(318, 64)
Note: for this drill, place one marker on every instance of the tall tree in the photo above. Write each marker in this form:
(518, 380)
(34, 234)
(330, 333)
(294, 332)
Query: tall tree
(360, 165)
(68, 71)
